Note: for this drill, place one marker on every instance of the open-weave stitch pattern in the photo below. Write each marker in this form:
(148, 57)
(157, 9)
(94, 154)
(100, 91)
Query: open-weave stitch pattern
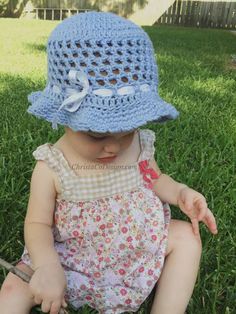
(114, 53)
(109, 62)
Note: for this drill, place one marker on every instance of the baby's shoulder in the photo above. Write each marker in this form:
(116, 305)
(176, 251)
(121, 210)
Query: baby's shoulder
(43, 175)
(46, 166)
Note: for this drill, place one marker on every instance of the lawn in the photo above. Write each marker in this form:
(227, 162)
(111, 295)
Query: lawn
(198, 77)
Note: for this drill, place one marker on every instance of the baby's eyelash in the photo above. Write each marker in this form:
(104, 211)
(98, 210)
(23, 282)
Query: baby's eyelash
(103, 137)
(98, 138)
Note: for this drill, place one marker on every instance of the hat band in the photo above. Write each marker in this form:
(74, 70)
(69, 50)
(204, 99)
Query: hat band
(75, 97)
(105, 92)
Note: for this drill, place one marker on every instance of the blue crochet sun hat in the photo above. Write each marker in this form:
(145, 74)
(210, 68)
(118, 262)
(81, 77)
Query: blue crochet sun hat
(102, 76)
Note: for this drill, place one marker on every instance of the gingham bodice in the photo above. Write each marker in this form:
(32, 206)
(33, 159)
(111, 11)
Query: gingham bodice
(76, 187)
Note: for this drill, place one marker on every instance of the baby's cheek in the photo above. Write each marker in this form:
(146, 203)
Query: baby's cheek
(94, 152)
(127, 141)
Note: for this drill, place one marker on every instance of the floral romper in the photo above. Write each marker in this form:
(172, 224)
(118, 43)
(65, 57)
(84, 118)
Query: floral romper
(110, 231)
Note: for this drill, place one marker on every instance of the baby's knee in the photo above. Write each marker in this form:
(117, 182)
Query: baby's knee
(15, 296)
(12, 286)
(185, 238)
(9, 287)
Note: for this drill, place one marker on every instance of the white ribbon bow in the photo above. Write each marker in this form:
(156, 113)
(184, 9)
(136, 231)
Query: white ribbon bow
(75, 98)
(73, 102)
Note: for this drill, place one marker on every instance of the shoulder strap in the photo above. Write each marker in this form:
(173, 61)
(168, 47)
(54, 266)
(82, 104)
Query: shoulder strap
(147, 141)
(45, 153)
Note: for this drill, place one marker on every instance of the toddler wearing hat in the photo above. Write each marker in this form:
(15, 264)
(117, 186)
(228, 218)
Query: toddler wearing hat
(98, 229)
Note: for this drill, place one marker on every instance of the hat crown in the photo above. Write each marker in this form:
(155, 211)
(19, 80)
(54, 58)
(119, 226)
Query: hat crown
(112, 51)
(102, 76)
(94, 25)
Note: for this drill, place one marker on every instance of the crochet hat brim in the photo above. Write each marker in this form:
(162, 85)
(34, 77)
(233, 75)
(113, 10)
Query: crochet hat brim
(139, 109)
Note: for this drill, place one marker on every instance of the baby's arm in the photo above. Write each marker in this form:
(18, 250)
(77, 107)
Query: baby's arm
(191, 202)
(166, 188)
(39, 217)
(48, 281)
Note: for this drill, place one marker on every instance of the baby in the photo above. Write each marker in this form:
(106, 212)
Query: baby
(98, 229)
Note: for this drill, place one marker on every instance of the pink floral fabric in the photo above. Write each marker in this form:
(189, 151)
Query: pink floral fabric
(112, 248)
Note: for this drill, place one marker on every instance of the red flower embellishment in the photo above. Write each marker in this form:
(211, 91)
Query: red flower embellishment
(143, 167)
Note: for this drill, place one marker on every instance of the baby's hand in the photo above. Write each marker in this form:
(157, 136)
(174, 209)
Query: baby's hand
(194, 205)
(48, 285)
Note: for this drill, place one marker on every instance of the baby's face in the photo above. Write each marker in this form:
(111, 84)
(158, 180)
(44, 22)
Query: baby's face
(95, 146)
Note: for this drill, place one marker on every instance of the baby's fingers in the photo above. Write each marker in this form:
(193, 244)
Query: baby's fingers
(55, 307)
(195, 226)
(202, 208)
(64, 304)
(45, 306)
(210, 222)
(37, 299)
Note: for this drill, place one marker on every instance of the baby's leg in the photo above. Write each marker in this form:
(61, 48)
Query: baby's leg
(176, 283)
(15, 296)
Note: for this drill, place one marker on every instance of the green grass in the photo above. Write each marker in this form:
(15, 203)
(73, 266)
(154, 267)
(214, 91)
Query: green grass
(198, 148)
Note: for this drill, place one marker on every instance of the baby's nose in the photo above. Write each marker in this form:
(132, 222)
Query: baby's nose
(112, 146)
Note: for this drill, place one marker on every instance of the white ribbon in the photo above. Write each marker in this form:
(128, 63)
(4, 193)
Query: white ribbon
(126, 90)
(105, 92)
(73, 102)
(75, 98)
(145, 88)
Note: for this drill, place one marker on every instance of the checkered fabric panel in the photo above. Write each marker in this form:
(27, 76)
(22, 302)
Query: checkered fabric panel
(99, 185)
